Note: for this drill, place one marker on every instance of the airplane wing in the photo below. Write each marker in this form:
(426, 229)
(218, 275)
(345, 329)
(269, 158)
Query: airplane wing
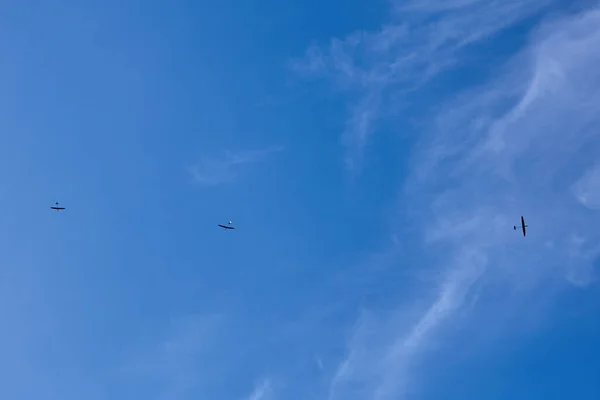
(226, 227)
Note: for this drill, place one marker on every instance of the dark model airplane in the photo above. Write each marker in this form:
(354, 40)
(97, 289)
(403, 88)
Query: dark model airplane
(523, 226)
(56, 207)
(228, 226)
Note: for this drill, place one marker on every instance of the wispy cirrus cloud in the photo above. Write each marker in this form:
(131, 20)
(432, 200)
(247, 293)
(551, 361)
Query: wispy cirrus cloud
(587, 188)
(226, 168)
(524, 143)
(420, 41)
(262, 391)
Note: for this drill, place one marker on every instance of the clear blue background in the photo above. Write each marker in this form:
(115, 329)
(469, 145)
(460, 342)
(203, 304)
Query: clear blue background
(133, 291)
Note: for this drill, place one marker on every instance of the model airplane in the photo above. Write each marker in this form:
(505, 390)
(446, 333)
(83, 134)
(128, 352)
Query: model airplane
(523, 226)
(228, 226)
(56, 207)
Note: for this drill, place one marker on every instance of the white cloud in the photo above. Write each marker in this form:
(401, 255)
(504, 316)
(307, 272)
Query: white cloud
(522, 144)
(226, 168)
(262, 391)
(421, 40)
(587, 188)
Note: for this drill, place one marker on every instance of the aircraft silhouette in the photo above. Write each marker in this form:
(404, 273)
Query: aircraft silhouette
(228, 226)
(56, 207)
(523, 226)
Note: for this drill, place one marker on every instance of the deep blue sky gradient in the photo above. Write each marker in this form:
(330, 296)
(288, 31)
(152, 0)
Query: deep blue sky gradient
(133, 291)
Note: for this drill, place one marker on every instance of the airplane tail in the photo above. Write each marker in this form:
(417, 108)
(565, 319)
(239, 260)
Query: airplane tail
(514, 227)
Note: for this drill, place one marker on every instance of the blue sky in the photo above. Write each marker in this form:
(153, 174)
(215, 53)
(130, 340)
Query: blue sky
(374, 157)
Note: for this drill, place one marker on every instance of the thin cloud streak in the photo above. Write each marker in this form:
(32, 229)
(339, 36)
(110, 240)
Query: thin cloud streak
(524, 144)
(212, 171)
(262, 391)
(587, 188)
(403, 55)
